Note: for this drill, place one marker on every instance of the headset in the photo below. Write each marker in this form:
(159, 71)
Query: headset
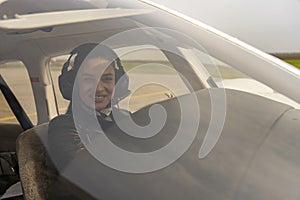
(67, 78)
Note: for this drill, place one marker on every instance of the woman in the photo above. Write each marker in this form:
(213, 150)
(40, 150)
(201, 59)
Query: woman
(90, 95)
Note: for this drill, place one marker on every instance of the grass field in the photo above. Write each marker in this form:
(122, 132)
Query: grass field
(16, 64)
(127, 65)
(296, 63)
(142, 67)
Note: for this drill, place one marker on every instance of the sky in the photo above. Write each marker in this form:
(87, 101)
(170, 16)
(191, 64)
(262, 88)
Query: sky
(270, 25)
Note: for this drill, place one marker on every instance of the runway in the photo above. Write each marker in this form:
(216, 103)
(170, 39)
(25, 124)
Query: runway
(146, 89)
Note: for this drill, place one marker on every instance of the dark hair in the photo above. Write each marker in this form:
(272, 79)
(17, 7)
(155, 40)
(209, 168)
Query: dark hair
(85, 50)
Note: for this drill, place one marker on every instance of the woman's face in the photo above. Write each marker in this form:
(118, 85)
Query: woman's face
(88, 79)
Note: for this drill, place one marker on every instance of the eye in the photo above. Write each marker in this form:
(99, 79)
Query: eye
(107, 79)
(88, 79)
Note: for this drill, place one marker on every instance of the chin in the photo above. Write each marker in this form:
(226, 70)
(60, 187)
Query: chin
(100, 107)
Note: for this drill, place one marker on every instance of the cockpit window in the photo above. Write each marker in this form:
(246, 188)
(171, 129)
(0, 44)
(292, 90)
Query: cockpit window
(152, 77)
(16, 76)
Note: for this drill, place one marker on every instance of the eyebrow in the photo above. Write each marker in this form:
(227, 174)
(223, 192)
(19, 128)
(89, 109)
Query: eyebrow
(108, 74)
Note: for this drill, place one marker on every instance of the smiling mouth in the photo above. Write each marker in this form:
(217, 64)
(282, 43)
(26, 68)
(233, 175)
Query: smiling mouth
(100, 98)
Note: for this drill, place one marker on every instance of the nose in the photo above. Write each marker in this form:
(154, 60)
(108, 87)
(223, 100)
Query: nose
(100, 87)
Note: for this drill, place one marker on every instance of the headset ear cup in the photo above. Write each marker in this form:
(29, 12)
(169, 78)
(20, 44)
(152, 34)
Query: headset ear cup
(67, 78)
(66, 83)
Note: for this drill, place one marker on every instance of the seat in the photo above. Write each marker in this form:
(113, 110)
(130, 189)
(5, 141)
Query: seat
(37, 173)
(8, 161)
(8, 136)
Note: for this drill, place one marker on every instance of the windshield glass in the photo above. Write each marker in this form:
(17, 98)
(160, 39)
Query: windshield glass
(153, 106)
(225, 63)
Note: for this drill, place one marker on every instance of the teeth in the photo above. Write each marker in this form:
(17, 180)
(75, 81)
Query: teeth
(99, 97)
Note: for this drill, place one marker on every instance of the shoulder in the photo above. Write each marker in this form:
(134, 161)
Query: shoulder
(120, 111)
(62, 131)
(61, 123)
(61, 120)
(63, 140)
